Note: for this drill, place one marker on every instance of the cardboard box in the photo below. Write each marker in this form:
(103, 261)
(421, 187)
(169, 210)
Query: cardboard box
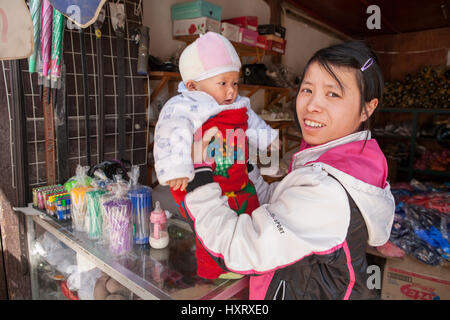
(187, 27)
(411, 279)
(230, 31)
(279, 47)
(248, 37)
(248, 22)
(196, 9)
(263, 43)
(274, 29)
(273, 38)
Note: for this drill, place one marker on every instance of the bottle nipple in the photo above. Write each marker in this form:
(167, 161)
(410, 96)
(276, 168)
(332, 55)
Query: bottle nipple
(157, 207)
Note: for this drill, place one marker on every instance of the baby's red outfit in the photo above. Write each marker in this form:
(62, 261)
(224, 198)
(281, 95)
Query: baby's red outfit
(232, 178)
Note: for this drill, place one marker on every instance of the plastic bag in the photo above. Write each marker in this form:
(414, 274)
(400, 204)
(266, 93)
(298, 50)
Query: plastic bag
(78, 199)
(141, 206)
(421, 232)
(94, 217)
(84, 282)
(54, 252)
(117, 214)
(80, 178)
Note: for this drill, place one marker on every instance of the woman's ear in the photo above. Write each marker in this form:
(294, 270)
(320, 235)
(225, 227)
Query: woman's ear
(369, 109)
(191, 85)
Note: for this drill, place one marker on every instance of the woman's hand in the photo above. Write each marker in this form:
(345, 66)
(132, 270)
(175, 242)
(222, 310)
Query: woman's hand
(177, 183)
(200, 145)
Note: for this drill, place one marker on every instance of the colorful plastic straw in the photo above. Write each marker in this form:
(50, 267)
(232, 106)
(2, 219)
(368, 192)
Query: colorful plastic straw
(95, 221)
(46, 35)
(141, 206)
(79, 207)
(57, 37)
(35, 10)
(118, 213)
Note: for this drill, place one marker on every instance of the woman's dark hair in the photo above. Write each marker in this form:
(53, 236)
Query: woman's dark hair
(353, 54)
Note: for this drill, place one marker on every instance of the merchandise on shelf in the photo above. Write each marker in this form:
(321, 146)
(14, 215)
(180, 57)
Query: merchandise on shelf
(248, 22)
(187, 27)
(403, 129)
(255, 73)
(230, 31)
(196, 9)
(428, 88)
(420, 225)
(268, 43)
(433, 160)
(53, 200)
(279, 47)
(78, 198)
(248, 37)
(94, 213)
(118, 216)
(141, 206)
(269, 29)
(159, 235)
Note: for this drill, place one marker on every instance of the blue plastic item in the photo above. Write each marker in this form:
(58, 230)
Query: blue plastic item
(141, 206)
(196, 9)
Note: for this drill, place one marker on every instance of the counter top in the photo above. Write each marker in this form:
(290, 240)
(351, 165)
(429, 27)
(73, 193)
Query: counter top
(168, 273)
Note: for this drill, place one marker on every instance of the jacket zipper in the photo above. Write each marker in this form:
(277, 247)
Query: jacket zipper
(281, 285)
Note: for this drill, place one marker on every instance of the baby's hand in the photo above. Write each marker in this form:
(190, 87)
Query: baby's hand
(176, 183)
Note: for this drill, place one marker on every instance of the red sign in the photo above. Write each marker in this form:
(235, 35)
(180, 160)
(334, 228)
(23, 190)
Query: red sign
(418, 292)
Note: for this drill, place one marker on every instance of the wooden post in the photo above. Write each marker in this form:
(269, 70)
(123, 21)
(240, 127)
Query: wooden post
(275, 18)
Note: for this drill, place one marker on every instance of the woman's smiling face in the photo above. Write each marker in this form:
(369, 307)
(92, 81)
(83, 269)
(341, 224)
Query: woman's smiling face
(326, 111)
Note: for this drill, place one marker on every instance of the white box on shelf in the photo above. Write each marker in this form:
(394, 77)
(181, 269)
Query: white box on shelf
(230, 31)
(187, 27)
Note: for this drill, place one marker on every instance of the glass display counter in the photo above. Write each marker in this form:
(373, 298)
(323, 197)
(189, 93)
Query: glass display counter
(60, 256)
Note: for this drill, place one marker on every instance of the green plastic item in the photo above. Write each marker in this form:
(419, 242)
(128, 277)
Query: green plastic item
(94, 211)
(72, 182)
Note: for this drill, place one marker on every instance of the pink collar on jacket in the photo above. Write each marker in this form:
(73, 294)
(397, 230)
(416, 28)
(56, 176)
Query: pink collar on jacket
(367, 164)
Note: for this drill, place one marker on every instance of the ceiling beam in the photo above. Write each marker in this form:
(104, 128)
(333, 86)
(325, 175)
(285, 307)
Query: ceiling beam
(308, 17)
(317, 20)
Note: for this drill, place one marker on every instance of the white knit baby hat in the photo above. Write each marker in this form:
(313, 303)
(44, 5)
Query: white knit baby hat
(209, 55)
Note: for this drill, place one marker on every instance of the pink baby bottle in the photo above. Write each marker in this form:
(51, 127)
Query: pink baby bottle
(159, 235)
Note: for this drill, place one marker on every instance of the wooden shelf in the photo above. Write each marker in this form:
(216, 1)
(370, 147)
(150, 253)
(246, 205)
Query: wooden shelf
(414, 139)
(242, 49)
(164, 78)
(272, 95)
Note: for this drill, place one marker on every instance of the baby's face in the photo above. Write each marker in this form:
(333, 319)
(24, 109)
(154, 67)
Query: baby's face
(223, 87)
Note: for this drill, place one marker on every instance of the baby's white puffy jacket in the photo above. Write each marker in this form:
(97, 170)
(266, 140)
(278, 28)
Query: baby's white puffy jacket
(182, 116)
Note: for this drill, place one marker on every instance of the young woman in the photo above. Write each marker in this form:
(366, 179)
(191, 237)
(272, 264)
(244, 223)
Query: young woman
(308, 240)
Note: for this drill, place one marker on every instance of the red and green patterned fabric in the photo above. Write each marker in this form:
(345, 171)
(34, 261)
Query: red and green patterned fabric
(230, 171)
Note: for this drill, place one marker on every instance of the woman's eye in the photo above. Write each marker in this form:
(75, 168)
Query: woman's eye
(333, 95)
(306, 90)
(222, 83)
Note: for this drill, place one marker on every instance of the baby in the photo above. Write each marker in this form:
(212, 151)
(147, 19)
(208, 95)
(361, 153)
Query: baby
(209, 98)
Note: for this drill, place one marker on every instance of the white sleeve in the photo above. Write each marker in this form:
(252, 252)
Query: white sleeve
(259, 133)
(295, 223)
(178, 121)
(264, 190)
